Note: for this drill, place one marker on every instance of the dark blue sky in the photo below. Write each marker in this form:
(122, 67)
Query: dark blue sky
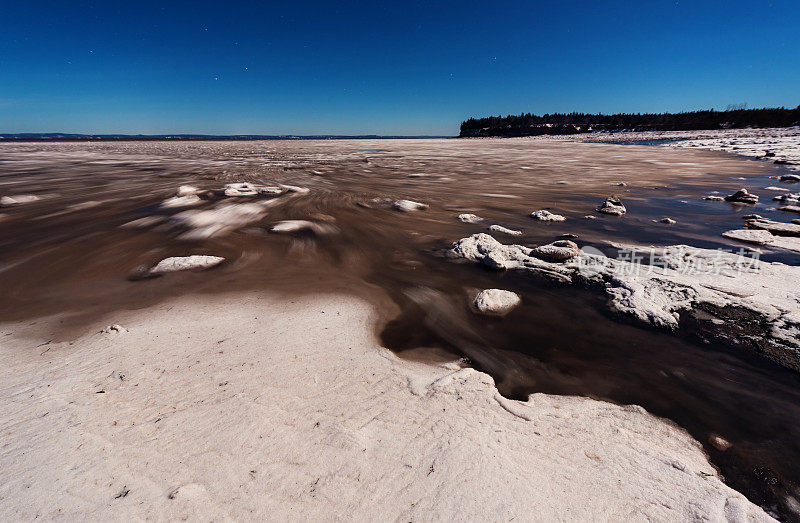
(381, 67)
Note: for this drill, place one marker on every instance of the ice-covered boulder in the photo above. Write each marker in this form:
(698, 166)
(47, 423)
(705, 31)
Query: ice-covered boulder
(250, 189)
(504, 230)
(788, 198)
(114, 329)
(295, 189)
(547, 216)
(613, 206)
(469, 218)
(558, 251)
(409, 206)
(742, 196)
(496, 302)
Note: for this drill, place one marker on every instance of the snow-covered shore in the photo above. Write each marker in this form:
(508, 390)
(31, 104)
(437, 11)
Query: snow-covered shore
(742, 300)
(257, 406)
(778, 145)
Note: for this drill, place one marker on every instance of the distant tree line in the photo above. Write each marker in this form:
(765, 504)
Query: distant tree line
(527, 124)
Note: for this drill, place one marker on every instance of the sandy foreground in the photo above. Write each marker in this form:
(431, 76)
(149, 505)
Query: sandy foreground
(254, 406)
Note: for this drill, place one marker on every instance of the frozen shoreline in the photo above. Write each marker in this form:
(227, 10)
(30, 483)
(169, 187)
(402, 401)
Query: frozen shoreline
(254, 406)
(778, 145)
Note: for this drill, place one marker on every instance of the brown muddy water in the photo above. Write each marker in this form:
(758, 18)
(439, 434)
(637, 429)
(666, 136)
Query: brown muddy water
(69, 252)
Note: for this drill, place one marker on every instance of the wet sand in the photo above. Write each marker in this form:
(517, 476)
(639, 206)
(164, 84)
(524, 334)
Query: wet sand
(67, 252)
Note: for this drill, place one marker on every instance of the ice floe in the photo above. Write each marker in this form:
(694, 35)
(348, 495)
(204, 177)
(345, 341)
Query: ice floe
(18, 199)
(185, 263)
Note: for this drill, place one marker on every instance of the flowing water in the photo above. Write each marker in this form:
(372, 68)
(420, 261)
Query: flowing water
(71, 253)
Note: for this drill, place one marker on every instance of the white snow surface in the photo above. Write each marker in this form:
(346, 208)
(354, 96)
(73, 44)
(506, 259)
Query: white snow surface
(254, 407)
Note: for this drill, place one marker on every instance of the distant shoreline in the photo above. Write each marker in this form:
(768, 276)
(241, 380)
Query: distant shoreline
(527, 124)
(76, 137)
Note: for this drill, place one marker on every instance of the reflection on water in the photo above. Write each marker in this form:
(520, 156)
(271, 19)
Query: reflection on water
(68, 251)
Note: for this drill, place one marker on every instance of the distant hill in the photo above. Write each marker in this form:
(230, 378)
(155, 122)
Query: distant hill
(528, 124)
(68, 137)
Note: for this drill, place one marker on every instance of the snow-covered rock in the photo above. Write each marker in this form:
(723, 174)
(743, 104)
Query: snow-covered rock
(547, 216)
(558, 251)
(496, 302)
(757, 236)
(613, 206)
(409, 206)
(469, 218)
(250, 189)
(185, 263)
(295, 189)
(764, 237)
(777, 228)
(742, 196)
(788, 198)
(714, 198)
(754, 305)
(504, 230)
(668, 221)
(114, 329)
